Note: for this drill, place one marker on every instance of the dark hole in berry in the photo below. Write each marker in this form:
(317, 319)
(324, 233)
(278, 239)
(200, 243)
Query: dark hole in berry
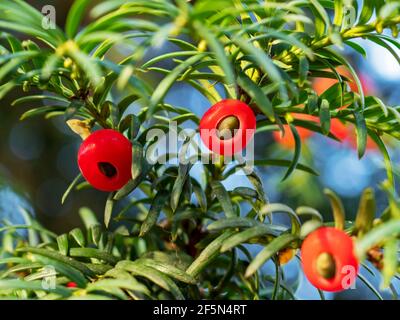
(107, 169)
(227, 127)
(326, 265)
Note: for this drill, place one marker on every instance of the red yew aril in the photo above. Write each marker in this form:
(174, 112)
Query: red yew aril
(71, 285)
(343, 132)
(339, 129)
(328, 259)
(346, 133)
(320, 85)
(105, 159)
(287, 140)
(227, 127)
(370, 146)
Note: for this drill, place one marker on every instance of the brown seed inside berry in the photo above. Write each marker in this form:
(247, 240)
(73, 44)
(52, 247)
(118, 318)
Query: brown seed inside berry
(227, 127)
(107, 169)
(326, 266)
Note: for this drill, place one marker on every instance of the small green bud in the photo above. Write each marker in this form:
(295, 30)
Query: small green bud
(379, 27)
(26, 86)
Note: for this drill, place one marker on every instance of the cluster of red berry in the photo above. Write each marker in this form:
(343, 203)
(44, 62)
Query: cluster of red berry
(344, 132)
(105, 157)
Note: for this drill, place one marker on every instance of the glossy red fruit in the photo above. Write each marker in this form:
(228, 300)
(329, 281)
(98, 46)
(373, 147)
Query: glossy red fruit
(227, 114)
(328, 258)
(105, 159)
(352, 140)
(287, 140)
(346, 133)
(71, 285)
(339, 129)
(320, 85)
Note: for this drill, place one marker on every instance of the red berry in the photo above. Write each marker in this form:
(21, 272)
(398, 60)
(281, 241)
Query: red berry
(320, 85)
(339, 129)
(232, 115)
(287, 140)
(328, 259)
(344, 132)
(71, 284)
(105, 159)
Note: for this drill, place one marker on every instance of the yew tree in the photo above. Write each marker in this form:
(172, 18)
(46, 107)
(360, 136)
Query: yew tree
(166, 232)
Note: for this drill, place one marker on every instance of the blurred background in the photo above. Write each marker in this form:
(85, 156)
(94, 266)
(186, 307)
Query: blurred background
(38, 157)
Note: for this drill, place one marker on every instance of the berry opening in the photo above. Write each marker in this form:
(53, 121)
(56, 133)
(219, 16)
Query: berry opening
(326, 265)
(107, 169)
(227, 126)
